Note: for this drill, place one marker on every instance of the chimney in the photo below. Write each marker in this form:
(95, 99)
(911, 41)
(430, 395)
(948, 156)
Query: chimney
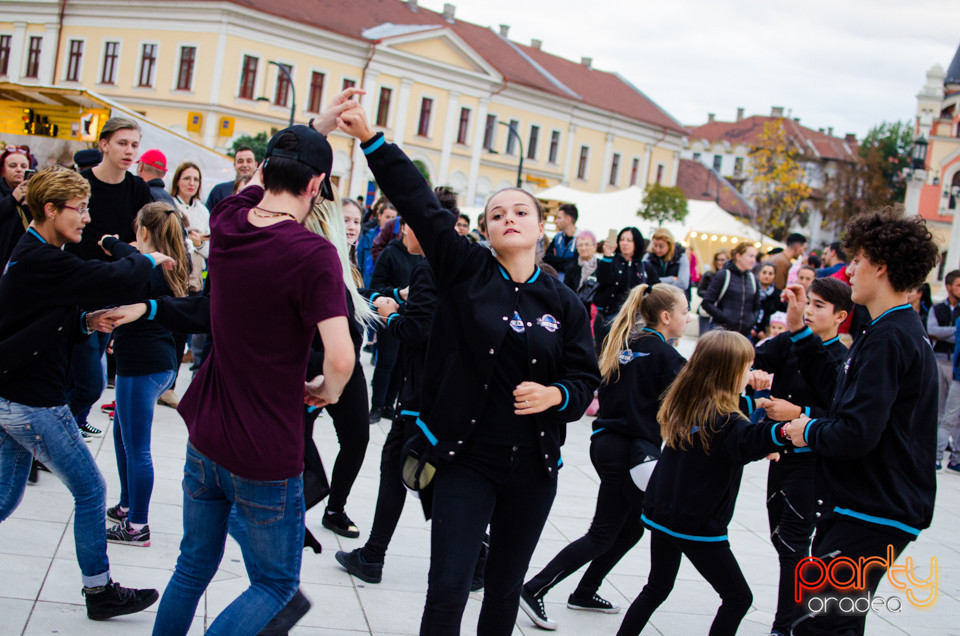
(850, 137)
(830, 131)
(504, 30)
(796, 119)
(711, 117)
(448, 10)
(413, 5)
(536, 44)
(739, 114)
(587, 61)
(776, 111)
(820, 130)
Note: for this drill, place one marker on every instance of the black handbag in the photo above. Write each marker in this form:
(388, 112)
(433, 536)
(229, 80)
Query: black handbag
(588, 290)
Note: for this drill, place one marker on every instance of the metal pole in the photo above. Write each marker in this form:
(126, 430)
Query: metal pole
(293, 92)
(513, 132)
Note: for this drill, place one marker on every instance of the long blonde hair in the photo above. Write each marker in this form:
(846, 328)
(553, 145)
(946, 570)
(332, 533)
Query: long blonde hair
(162, 224)
(326, 219)
(665, 235)
(642, 308)
(707, 386)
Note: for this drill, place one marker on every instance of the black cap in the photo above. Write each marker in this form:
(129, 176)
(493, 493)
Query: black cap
(312, 150)
(87, 158)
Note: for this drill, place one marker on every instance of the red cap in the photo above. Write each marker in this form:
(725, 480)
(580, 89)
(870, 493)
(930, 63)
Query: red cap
(154, 158)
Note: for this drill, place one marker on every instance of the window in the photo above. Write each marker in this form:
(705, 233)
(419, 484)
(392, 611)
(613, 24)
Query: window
(490, 132)
(717, 162)
(659, 174)
(554, 146)
(582, 165)
(532, 144)
(148, 60)
(73, 61)
(348, 83)
(111, 51)
(383, 109)
(634, 171)
(738, 166)
(283, 85)
(696, 156)
(464, 128)
(512, 138)
(614, 168)
(4, 54)
(188, 56)
(33, 57)
(316, 92)
(426, 107)
(248, 76)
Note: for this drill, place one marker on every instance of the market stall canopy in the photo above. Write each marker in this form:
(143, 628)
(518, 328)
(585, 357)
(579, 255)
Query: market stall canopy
(55, 122)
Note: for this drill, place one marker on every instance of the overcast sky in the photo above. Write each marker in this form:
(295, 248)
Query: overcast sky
(849, 64)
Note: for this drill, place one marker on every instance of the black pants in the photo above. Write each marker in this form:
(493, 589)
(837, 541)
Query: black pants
(837, 537)
(351, 421)
(386, 375)
(714, 561)
(791, 509)
(510, 489)
(392, 493)
(616, 525)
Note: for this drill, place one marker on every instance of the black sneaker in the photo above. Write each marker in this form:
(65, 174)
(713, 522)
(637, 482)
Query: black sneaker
(112, 600)
(32, 477)
(116, 514)
(953, 467)
(340, 523)
(389, 413)
(532, 606)
(90, 430)
(124, 534)
(592, 604)
(375, 415)
(286, 618)
(354, 563)
(85, 436)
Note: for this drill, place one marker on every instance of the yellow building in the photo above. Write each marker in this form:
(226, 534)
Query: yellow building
(460, 98)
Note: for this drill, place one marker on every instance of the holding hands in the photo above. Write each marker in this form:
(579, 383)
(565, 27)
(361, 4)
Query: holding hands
(794, 431)
(385, 306)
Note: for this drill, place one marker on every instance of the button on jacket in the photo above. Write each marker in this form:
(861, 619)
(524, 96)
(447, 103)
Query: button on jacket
(476, 303)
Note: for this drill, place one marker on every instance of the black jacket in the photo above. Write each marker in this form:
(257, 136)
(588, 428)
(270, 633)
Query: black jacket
(393, 270)
(158, 192)
(411, 325)
(693, 493)
(877, 443)
(476, 300)
(616, 277)
(12, 216)
(739, 305)
(769, 306)
(40, 316)
(629, 404)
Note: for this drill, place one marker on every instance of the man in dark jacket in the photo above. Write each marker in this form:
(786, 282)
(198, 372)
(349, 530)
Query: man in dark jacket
(244, 163)
(151, 168)
(563, 248)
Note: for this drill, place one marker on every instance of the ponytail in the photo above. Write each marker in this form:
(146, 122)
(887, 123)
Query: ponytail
(162, 224)
(642, 308)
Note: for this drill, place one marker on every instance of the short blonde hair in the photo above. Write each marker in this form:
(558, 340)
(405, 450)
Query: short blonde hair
(55, 185)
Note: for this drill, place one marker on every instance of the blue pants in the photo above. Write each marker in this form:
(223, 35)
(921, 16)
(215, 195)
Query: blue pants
(51, 436)
(272, 514)
(87, 374)
(133, 418)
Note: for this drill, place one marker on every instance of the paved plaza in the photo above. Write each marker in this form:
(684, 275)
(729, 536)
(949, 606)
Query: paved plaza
(40, 579)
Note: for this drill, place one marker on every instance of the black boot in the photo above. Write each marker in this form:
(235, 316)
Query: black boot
(286, 618)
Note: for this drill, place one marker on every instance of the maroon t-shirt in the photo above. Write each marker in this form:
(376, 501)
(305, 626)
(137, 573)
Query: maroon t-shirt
(269, 288)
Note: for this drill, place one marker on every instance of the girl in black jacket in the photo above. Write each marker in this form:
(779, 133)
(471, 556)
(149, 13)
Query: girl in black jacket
(509, 363)
(621, 269)
(690, 499)
(637, 365)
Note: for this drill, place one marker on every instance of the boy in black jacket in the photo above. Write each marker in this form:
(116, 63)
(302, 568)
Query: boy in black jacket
(791, 496)
(876, 444)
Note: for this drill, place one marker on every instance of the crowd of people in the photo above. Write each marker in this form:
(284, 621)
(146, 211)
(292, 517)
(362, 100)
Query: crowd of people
(486, 342)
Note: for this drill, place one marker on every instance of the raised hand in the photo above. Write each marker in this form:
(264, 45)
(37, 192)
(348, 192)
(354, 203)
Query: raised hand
(353, 121)
(796, 299)
(326, 123)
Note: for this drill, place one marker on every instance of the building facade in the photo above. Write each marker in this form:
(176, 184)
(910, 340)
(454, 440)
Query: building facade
(462, 99)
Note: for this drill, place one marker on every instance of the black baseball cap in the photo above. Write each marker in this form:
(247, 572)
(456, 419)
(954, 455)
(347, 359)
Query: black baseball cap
(312, 150)
(87, 158)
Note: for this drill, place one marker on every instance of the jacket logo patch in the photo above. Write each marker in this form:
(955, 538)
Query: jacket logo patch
(626, 356)
(548, 322)
(517, 323)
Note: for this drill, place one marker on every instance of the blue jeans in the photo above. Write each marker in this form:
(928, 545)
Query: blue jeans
(87, 374)
(272, 514)
(133, 418)
(51, 435)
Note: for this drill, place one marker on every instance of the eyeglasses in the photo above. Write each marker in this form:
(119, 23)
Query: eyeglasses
(82, 209)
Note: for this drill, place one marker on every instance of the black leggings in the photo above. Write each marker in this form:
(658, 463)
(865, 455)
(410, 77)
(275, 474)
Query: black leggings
(616, 525)
(714, 561)
(791, 505)
(387, 374)
(351, 421)
(392, 493)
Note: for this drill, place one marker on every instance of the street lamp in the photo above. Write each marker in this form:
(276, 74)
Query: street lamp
(919, 153)
(293, 92)
(512, 131)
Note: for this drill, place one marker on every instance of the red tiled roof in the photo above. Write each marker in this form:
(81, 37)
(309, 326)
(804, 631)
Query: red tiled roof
(806, 140)
(597, 88)
(700, 183)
